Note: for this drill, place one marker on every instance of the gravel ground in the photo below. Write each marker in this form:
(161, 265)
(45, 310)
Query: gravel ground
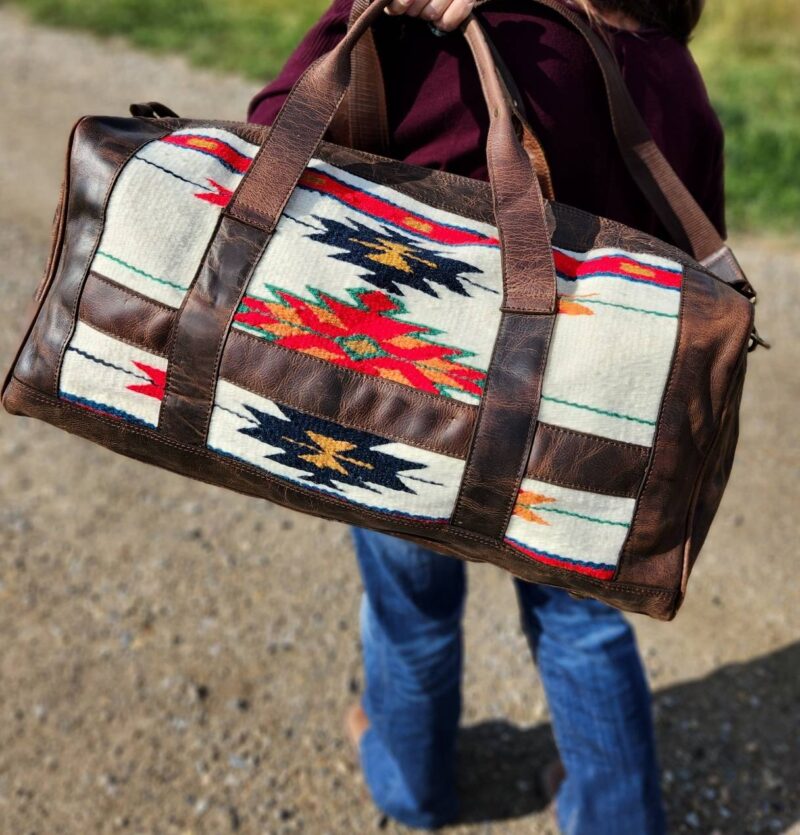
(176, 658)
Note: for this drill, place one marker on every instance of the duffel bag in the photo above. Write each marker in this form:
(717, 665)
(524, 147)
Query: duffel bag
(467, 364)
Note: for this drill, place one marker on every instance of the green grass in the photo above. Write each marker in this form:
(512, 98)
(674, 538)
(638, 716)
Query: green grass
(252, 37)
(749, 51)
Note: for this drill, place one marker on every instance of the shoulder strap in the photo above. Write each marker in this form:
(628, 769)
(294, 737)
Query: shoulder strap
(680, 213)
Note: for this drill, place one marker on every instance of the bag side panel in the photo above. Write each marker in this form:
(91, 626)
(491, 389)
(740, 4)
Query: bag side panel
(99, 150)
(714, 478)
(715, 328)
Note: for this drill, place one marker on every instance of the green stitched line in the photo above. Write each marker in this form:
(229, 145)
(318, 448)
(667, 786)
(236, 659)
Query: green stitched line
(599, 411)
(625, 307)
(140, 272)
(580, 516)
(265, 335)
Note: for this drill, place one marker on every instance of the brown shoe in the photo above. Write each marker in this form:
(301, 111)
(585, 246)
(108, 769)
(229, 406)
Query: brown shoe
(550, 779)
(356, 724)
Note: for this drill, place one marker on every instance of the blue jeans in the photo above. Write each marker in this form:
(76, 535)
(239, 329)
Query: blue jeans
(589, 666)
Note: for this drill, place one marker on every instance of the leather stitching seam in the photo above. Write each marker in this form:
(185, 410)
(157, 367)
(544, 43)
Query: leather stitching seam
(120, 288)
(598, 440)
(87, 320)
(363, 425)
(680, 336)
(533, 423)
(397, 388)
(169, 392)
(223, 337)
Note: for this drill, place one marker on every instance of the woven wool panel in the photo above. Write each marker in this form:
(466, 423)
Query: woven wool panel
(112, 377)
(358, 466)
(369, 279)
(571, 529)
(610, 356)
(612, 343)
(164, 208)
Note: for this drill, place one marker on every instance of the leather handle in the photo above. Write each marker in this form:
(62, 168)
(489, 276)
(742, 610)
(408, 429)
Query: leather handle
(529, 280)
(672, 202)
(363, 122)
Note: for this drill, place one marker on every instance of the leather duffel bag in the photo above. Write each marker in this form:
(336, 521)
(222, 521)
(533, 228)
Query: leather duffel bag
(469, 365)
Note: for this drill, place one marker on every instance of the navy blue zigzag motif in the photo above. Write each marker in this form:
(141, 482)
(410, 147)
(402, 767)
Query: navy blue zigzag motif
(393, 259)
(329, 452)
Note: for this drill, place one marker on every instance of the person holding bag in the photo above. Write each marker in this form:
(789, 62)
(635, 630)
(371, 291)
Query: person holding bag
(406, 726)
(192, 316)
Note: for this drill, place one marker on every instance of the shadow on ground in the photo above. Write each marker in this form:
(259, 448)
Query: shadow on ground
(747, 781)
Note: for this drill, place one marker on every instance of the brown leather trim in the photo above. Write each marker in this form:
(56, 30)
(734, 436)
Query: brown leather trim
(100, 149)
(559, 456)
(311, 385)
(715, 325)
(714, 477)
(202, 464)
(505, 426)
(441, 189)
(574, 228)
(587, 462)
(203, 323)
(126, 314)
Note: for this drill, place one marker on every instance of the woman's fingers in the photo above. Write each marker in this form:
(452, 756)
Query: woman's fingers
(446, 15)
(427, 9)
(455, 14)
(398, 6)
(434, 10)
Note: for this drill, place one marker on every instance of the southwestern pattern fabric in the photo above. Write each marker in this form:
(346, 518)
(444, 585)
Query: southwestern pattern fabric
(570, 529)
(164, 209)
(358, 466)
(375, 282)
(626, 308)
(364, 277)
(112, 377)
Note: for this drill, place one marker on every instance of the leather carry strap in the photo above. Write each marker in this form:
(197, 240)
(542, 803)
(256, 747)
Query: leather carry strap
(362, 121)
(507, 417)
(529, 281)
(686, 222)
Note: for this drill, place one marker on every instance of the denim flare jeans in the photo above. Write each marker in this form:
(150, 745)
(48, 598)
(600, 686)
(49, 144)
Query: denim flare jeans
(589, 666)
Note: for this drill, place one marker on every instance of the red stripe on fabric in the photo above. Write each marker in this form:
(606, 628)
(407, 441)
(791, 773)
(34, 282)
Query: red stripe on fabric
(95, 410)
(617, 266)
(376, 207)
(597, 573)
(214, 147)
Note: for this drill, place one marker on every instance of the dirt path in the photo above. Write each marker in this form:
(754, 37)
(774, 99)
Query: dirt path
(176, 659)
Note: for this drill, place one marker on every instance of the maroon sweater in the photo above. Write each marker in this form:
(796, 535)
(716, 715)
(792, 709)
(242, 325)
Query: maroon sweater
(438, 119)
